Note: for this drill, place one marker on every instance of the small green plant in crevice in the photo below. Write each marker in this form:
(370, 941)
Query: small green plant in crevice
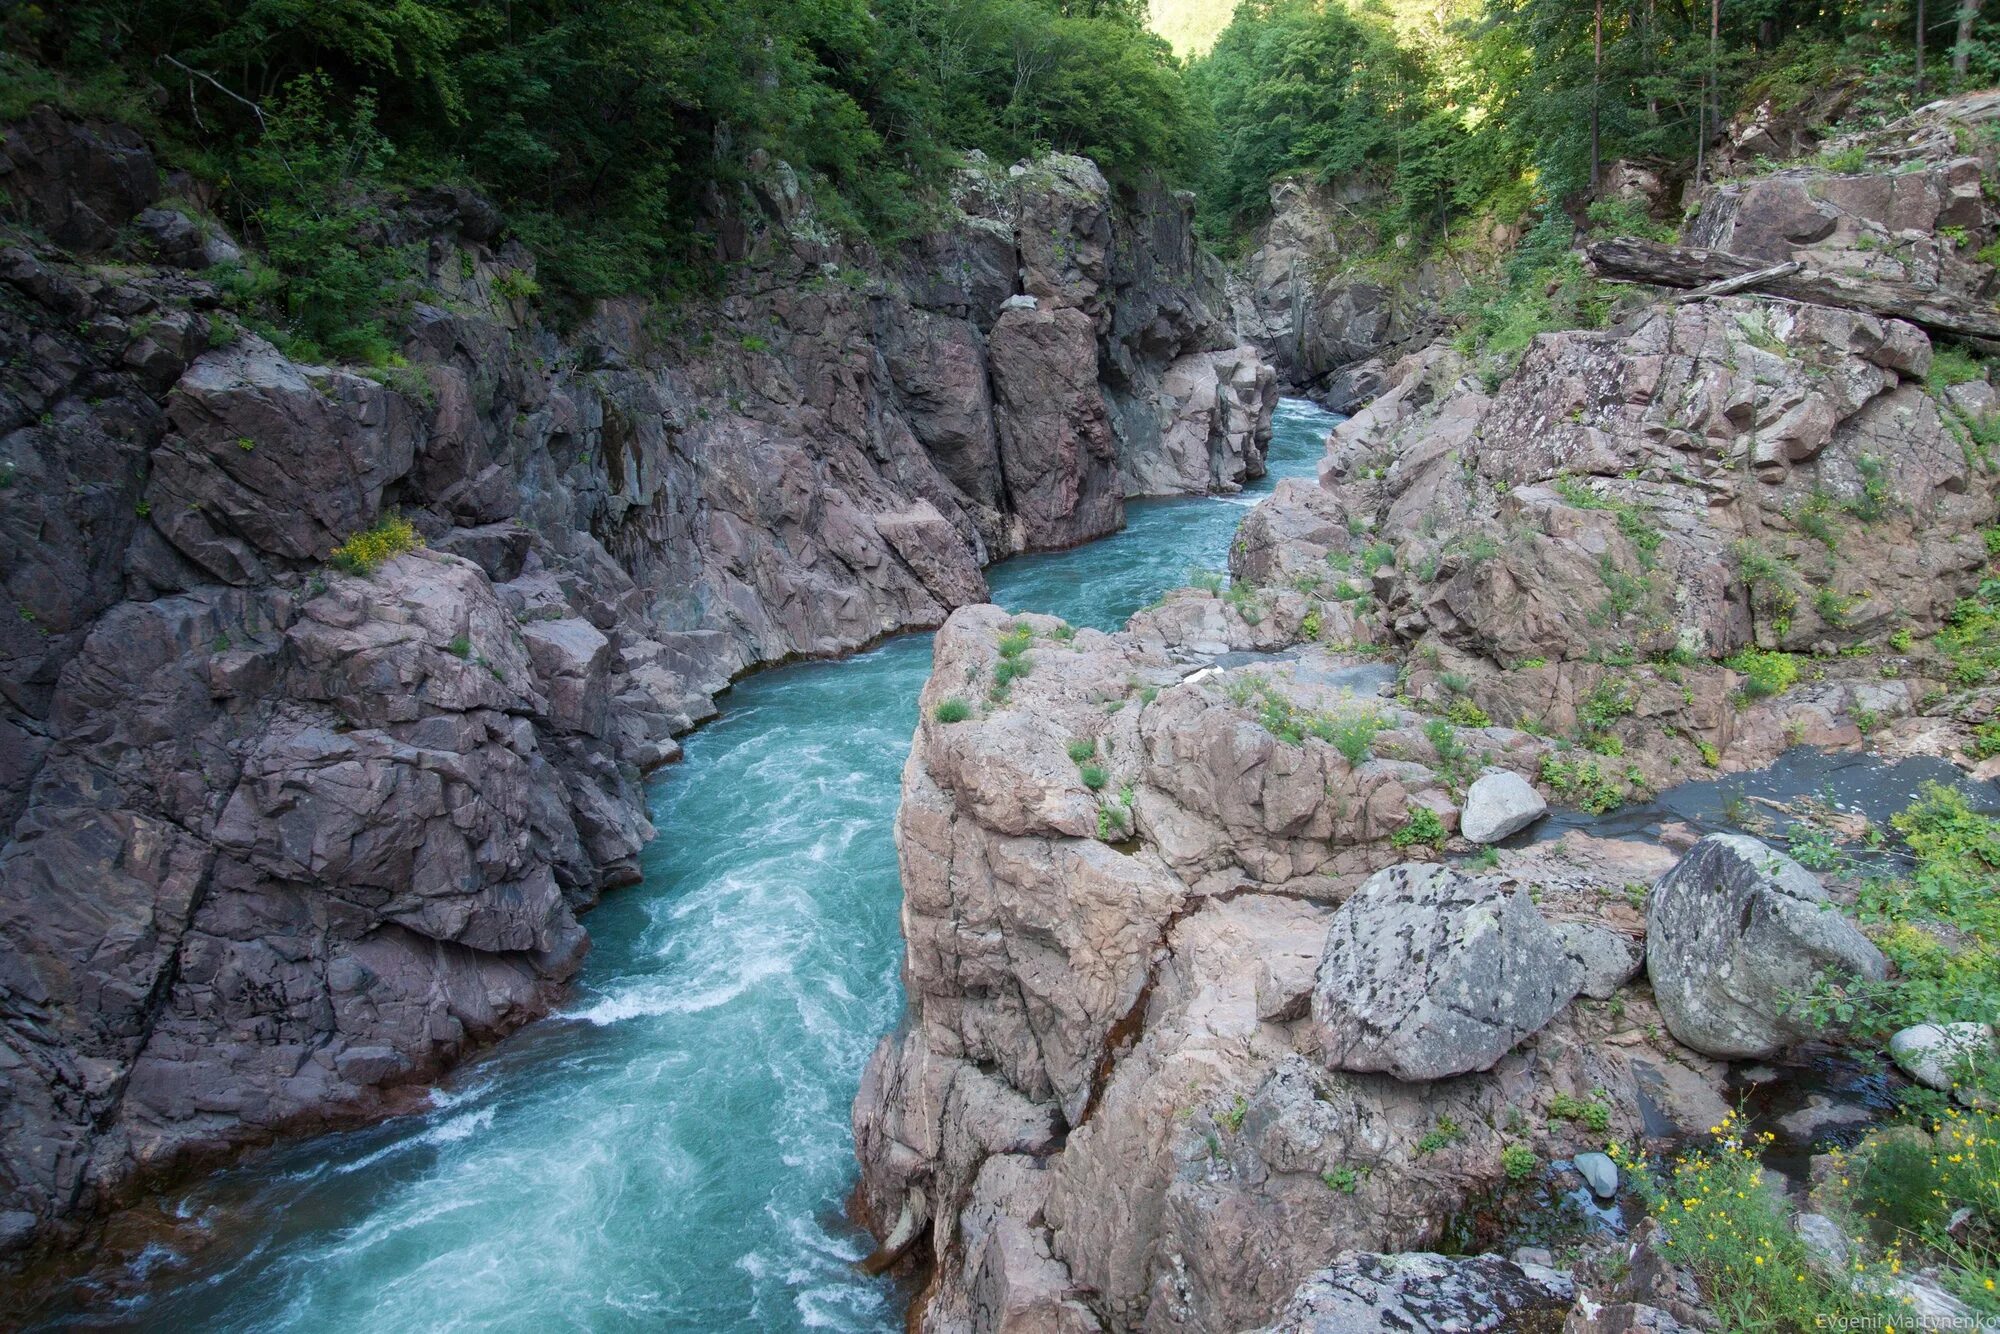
(1082, 748)
(1608, 701)
(952, 710)
(1591, 1112)
(460, 646)
(1582, 781)
(1970, 639)
(1485, 859)
(1519, 1162)
(1343, 1180)
(1444, 1133)
(1464, 713)
(1873, 502)
(1093, 776)
(1423, 827)
(1233, 1118)
(1244, 600)
(1814, 516)
(1764, 672)
(365, 551)
(1208, 581)
(1115, 819)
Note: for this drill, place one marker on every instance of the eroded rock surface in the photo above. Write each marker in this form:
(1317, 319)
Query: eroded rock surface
(280, 837)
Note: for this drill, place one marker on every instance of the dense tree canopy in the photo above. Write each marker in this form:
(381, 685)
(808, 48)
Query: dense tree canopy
(604, 127)
(601, 124)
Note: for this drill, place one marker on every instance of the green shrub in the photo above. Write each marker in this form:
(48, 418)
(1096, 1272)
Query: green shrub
(1082, 748)
(1765, 673)
(1423, 827)
(1733, 1231)
(364, 552)
(1093, 776)
(1582, 781)
(1442, 1134)
(1353, 734)
(1464, 713)
(460, 646)
(952, 711)
(1591, 1112)
(1519, 1162)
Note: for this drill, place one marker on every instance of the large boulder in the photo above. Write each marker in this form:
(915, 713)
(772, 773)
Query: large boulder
(1931, 1054)
(1361, 1293)
(1498, 804)
(1734, 930)
(1430, 973)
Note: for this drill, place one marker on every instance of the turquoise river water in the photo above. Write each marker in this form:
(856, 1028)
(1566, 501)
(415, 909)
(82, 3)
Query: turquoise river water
(671, 1151)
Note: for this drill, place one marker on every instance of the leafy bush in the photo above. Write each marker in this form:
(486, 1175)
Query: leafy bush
(1519, 1162)
(1423, 827)
(1764, 673)
(364, 552)
(1082, 748)
(1353, 734)
(1579, 780)
(952, 711)
(1591, 1112)
(1093, 776)
(1723, 1222)
(1464, 713)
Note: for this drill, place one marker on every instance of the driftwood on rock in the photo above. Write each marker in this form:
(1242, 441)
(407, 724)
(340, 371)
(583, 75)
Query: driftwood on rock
(1717, 272)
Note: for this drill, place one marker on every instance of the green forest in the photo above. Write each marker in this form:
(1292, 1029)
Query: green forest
(604, 127)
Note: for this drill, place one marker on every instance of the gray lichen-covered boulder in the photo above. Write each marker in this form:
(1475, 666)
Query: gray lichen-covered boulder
(1732, 931)
(1361, 1293)
(1430, 973)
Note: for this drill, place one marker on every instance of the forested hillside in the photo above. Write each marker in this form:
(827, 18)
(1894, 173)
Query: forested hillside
(600, 126)
(603, 127)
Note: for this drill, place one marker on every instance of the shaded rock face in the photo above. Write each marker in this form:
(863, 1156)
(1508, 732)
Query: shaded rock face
(1111, 1105)
(1736, 931)
(1429, 973)
(1315, 318)
(279, 838)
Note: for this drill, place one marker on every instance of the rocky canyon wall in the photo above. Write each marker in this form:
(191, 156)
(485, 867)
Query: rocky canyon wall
(1219, 982)
(281, 838)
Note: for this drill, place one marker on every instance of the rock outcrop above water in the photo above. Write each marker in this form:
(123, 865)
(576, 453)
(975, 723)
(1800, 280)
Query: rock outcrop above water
(281, 838)
(1162, 1019)
(1122, 992)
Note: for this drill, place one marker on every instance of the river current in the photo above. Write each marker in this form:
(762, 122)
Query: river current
(671, 1151)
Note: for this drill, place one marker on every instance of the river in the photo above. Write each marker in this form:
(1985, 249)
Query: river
(672, 1150)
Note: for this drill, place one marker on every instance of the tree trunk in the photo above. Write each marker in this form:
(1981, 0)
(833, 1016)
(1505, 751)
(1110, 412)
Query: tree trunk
(1920, 50)
(1961, 51)
(1627, 259)
(1596, 88)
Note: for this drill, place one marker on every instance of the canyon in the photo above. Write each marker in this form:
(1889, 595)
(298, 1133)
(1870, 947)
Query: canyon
(288, 840)
(1262, 909)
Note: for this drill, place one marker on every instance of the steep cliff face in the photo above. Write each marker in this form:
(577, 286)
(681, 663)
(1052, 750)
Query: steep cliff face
(1301, 294)
(281, 837)
(1129, 1094)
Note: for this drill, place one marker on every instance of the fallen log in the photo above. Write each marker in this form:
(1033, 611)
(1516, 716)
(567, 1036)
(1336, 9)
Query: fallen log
(1627, 259)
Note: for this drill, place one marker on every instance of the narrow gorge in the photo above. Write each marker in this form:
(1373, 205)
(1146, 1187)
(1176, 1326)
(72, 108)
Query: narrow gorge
(720, 709)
